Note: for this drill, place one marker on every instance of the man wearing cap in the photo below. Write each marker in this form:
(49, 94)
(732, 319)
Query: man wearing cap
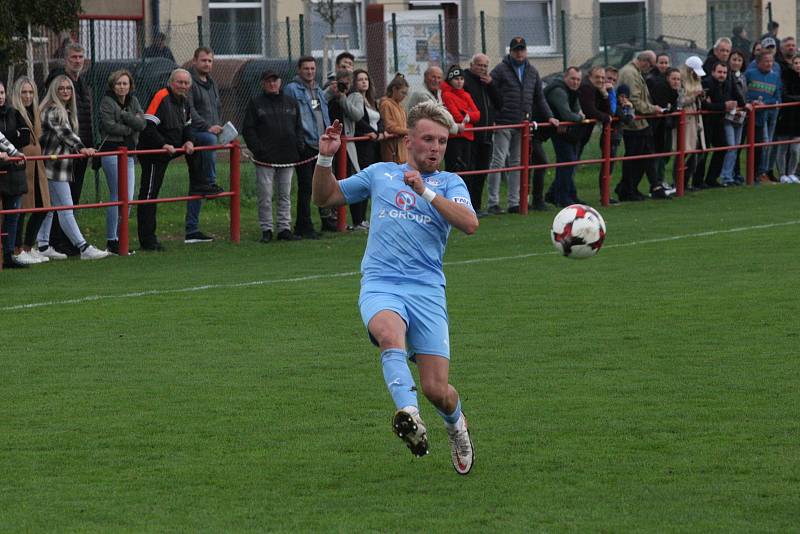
(432, 91)
(638, 135)
(273, 131)
(458, 156)
(520, 88)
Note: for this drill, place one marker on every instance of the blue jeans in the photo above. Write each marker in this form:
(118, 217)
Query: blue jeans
(766, 121)
(208, 159)
(10, 202)
(563, 186)
(60, 195)
(733, 136)
(112, 214)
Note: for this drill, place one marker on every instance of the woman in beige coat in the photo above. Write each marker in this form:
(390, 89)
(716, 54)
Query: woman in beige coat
(394, 118)
(689, 98)
(25, 100)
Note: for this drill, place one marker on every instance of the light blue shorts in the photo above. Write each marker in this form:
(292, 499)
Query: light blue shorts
(422, 308)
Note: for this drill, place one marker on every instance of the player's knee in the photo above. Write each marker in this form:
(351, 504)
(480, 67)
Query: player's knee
(387, 337)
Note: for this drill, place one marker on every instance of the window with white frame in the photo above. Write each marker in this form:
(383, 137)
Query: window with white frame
(236, 27)
(349, 22)
(532, 19)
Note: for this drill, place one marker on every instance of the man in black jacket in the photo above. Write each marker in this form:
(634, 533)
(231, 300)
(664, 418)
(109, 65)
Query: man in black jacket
(74, 59)
(169, 121)
(273, 132)
(479, 84)
(722, 98)
(520, 87)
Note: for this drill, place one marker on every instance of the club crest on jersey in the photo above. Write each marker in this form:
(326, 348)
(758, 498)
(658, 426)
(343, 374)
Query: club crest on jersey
(405, 200)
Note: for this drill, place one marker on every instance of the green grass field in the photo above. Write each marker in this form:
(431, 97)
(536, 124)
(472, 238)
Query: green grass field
(223, 387)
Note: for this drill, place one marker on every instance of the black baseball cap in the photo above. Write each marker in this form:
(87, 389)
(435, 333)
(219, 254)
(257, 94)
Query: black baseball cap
(517, 42)
(268, 75)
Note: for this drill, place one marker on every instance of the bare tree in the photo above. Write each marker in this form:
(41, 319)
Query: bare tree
(328, 10)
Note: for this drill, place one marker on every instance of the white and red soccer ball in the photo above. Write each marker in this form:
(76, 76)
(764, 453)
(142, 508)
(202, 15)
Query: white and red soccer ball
(578, 231)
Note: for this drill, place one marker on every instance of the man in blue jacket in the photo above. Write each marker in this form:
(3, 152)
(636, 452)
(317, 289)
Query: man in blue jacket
(315, 119)
(764, 87)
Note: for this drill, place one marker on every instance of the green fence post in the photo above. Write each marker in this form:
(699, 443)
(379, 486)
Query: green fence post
(483, 32)
(302, 37)
(769, 12)
(394, 43)
(644, 28)
(712, 21)
(93, 53)
(289, 37)
(199, 30)
(441, 44)
(564, 51)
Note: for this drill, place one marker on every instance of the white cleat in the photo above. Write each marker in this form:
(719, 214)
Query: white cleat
(91, 253)
(461, 451)
(408, 426)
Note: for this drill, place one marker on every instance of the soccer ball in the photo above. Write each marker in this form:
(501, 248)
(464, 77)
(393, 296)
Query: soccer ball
(578, 231)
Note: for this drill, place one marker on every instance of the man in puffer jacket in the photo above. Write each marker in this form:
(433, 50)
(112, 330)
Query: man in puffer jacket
(520, 87)
(273, 131)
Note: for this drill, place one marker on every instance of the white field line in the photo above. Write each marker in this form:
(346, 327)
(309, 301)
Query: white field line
(156, 292)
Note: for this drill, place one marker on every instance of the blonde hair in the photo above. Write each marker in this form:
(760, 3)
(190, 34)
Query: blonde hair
(51, 100)
(690, 81)
(35, 124)
(433, 111)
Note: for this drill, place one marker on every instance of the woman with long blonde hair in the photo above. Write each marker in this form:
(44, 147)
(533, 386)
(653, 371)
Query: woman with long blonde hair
(59, 137)
(25, 99)
(689, 98)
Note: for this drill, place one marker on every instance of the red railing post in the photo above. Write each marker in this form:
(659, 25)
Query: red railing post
(122, 196)
(751, 148)
(680, 161)
(341, 174)
(605, 178)
(524, 161)
(236, 189)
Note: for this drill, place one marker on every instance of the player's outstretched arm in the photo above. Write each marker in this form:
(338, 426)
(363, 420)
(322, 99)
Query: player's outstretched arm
(457, 215)
(325, 192)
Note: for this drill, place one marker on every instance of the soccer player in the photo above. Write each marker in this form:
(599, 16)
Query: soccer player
(402, 290)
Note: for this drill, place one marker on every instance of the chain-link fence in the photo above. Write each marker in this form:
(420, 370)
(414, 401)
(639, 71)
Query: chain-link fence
(406, 42)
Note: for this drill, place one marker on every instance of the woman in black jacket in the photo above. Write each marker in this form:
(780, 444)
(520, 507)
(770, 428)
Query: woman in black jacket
(13, 183)
(788, 127)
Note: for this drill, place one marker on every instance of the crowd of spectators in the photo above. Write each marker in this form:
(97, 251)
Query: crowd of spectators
(283, 123)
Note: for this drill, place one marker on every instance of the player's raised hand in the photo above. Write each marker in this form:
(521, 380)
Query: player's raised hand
(330, 141)
(414, 179)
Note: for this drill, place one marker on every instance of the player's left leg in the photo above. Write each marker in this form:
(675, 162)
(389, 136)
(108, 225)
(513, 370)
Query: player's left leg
(433, 377)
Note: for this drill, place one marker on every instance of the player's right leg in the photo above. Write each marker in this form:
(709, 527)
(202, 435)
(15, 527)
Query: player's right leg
(388, 329)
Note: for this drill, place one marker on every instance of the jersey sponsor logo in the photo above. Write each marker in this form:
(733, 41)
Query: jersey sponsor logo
(432, 180)
(461, 200)
(421, 218)
(405, 200)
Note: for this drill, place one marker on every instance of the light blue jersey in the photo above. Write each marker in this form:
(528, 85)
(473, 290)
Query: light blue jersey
(407, 235)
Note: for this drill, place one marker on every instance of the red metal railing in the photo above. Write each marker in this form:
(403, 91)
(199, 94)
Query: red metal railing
(605, 160)
(122, 187)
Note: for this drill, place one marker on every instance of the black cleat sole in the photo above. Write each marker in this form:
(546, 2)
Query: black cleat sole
(404, 425)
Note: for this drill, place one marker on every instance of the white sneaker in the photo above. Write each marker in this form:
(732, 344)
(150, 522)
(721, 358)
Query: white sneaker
(38, 256)
(91, 253)
(461, 451)
(408, 426)
(25, 258)
(52, 254)
(794, 179)
(786, 180)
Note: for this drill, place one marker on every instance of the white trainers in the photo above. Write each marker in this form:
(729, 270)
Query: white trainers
(786, 180)
(461, 451)
(408, 426)
(38, 256)
(52, 254)
(91, 253)
(794, 179)
(25, 258)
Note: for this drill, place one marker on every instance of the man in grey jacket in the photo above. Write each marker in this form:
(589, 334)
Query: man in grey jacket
(206, 119)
